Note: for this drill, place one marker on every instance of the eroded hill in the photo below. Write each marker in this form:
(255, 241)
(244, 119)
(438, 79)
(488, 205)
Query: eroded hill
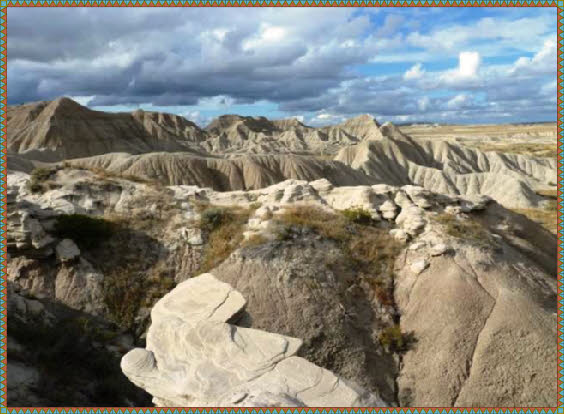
(217, 263)
(236, 152)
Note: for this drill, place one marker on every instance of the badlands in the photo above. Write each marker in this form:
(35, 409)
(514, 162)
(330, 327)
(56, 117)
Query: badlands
(268, 263)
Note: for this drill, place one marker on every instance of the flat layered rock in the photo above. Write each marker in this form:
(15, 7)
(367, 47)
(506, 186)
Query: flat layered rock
(194, 358)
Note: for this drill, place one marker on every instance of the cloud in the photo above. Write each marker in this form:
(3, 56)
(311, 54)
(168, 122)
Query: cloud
(391, 23)
(544, 61)
(324, 118)
(323, 64)
(469, 62)
(183, 54)
(83, 100)
(457, 102)
(415, 72)
(424, 103)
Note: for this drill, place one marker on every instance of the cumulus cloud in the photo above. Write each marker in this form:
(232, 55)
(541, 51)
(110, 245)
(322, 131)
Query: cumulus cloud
(327, 64)
(544, 61)
(469, 62)
(415, 72)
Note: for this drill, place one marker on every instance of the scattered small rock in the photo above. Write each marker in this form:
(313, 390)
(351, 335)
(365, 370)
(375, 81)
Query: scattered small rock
(419, 266)
(67, 250)
(400, 235)
(439, 249)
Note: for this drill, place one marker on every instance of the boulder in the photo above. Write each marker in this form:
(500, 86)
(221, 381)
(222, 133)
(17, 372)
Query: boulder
(67, 250)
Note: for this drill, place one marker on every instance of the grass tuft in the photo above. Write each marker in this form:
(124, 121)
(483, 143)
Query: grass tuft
(394, 340)
(466, 229)
(358, 216)
(225, 233)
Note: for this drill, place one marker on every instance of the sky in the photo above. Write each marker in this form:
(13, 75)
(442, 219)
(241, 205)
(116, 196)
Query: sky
(320, 65)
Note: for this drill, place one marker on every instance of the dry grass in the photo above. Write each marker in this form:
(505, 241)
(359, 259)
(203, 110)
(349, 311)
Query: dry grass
(358, 216)
(130, 286)
(104, 174)
(368, 250)
(536, 150)
(326, 224)
(254, 240)
(466, 229)
(547, 217)
(225, 227)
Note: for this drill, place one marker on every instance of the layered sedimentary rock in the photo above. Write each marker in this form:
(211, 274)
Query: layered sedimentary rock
(195, 358)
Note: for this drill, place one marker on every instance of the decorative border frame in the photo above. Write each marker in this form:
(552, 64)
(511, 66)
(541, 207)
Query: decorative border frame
(4, 4)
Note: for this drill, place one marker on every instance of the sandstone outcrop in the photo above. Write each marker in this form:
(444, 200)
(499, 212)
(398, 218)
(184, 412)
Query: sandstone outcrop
(194, 357)
(460, 312)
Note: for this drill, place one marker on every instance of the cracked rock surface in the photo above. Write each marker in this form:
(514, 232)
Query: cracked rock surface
(486, 331)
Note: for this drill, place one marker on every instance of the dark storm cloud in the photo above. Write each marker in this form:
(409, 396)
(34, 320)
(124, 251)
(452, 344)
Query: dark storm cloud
(174, 56)
(304, 60)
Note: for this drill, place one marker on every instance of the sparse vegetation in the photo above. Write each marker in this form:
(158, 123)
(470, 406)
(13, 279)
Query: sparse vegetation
(38, 181)
(104, 174)
(358, 215)
(87, 232)
(225, 234)
(64, 355)
(124, 292)
(368, 250)
(325, 223)
(213, 217)
(546, 217)
(394, 340)
(466, 229)
(531, 149)
(254, 240)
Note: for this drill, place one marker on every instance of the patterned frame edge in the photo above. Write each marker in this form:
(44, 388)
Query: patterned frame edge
(4, 4)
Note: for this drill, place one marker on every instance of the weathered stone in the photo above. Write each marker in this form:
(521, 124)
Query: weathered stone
(419, 266)
(222, 364)
(388, 209)
(400, 235)
(439, 249)
(67, 250)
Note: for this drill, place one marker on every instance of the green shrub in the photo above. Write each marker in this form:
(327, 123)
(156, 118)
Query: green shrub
(284, 232)
(38, 179)
(394, 340)
(87, 232)
(124, 292)
(358, 216)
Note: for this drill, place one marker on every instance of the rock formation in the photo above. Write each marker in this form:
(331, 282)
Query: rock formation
(194, 358)
(396, 266)
(62, 129)
(236, 152)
